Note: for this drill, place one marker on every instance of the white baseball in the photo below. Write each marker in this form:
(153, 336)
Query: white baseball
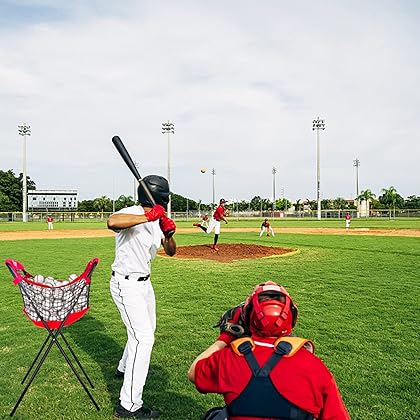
(39, 278)
(50, 281)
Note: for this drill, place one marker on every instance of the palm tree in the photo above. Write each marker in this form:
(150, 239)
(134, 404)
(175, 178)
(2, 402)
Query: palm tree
(102, 204)
(389, 197)
(366, 195)
(340, 204)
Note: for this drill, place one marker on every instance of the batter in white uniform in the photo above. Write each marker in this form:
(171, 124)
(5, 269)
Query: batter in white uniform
(140, 232)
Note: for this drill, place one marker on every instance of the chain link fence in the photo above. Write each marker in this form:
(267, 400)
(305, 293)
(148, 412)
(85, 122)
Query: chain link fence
(35, 217)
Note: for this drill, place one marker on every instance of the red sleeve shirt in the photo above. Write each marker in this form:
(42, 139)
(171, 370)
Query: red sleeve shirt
(219, 213)
(303, 379)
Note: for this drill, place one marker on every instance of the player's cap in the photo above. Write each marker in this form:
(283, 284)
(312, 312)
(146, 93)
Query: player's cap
(222, 201)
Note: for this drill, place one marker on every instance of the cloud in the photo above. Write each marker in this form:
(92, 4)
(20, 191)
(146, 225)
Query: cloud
(241, 83)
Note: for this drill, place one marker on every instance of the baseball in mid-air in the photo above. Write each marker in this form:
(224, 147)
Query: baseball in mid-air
(203, 170)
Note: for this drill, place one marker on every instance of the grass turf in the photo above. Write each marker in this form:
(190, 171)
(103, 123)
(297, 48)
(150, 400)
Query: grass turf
(235, 222)
(358, 299)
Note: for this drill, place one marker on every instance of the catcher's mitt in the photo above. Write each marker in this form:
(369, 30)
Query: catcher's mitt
(232, 323)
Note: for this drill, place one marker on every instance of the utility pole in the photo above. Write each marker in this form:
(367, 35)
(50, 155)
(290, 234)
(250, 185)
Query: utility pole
(273, 171)
(356, 163)
(317, 125)
(24, 130)
(169, 128)
(213, 173)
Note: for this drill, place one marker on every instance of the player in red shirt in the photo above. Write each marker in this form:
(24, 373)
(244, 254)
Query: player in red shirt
(218, 216)
(348, 220)
(266, 228)
(50, 222)
(267, 373)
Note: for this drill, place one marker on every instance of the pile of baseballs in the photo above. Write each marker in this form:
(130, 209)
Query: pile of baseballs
(51, 281)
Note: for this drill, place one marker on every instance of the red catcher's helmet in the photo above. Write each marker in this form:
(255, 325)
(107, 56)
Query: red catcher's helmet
(269, 311)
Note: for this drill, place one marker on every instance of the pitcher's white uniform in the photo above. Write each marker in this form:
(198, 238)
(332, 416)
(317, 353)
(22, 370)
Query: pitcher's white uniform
(132, 291)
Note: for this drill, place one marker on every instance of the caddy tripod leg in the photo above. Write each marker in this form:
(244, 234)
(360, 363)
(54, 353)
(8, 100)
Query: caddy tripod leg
(33, 376)
(77, 360)
(69, 362)
(36, 358)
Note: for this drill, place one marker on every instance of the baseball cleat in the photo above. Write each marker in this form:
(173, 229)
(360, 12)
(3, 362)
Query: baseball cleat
(142, 413)
(215, 248)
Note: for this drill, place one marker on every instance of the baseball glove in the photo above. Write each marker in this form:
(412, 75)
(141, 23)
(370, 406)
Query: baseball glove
(232, 323)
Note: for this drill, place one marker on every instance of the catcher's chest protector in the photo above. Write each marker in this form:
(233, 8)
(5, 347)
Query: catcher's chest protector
(260, 398)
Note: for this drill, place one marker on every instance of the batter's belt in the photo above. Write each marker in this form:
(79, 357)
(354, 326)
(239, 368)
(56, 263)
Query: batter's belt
(132, 277)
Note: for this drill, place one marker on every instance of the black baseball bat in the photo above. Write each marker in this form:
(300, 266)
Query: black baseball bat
(129, 162)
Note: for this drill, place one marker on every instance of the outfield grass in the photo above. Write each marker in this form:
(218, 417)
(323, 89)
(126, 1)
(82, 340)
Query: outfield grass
(358, 299)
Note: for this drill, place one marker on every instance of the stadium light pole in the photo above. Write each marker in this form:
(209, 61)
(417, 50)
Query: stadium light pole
(274, 171)
(213, 173)
(168, 128)
(24, 130)
(356, 163)
(317, 125)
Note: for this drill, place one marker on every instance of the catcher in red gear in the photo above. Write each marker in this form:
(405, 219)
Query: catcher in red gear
(261, 370)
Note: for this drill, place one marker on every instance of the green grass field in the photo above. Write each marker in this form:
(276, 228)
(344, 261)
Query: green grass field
(278, 223)
(358, 299)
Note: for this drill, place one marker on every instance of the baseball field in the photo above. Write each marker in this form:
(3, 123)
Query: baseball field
(357, 293)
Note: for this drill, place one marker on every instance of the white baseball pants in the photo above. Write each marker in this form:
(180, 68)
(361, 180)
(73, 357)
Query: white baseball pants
(214, 224)
(265, 230)
(137, 305)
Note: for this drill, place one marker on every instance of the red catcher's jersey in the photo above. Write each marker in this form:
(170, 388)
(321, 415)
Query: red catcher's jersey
(303, 379)
(219, 213)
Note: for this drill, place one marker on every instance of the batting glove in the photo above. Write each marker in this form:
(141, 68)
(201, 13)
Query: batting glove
(167, 226)
(155, 213)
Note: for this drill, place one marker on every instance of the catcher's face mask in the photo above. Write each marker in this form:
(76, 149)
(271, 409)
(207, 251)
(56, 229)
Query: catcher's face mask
(269, 311)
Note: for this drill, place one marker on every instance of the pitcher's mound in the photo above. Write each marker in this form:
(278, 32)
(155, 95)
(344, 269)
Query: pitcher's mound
(229, 252)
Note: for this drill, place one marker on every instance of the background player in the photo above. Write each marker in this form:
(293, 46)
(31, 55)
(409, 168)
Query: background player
(348, 220)
(140, 231)
(218, 215)
(266, 227)
(50, 222)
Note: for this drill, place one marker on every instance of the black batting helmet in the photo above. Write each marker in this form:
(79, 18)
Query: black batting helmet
(158, 187)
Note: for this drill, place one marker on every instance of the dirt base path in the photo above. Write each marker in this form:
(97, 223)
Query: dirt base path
(98, 233)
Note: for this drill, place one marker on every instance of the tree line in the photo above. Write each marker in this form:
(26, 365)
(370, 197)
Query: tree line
(11, 200)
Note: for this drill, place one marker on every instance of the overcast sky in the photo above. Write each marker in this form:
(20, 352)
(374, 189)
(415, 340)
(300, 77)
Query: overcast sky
(241, 80)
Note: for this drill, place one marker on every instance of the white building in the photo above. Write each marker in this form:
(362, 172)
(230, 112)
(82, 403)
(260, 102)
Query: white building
(52, 200)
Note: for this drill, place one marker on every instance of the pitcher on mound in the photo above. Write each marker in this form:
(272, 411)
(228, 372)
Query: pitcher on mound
(214, 223)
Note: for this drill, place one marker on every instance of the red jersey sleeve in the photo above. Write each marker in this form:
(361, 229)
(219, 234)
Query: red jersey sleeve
(207, 374)
(333, 407)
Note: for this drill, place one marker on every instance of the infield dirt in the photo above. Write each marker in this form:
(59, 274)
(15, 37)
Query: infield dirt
(98, 233)
(226, 253)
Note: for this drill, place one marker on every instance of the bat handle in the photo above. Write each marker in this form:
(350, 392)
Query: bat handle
(147, 191)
